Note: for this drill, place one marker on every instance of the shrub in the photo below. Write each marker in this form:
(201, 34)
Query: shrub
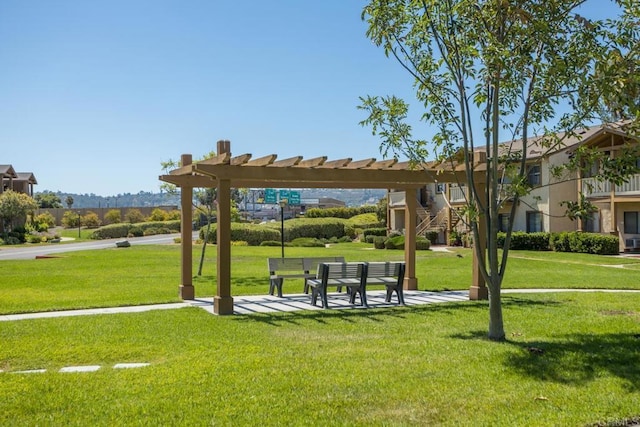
(422, 244)
(253, 234)
(134, 216)
(270, 243)
(344, 239)
(158, 215)
(91, 220)
(112, 231)
(381, 231)
(70, 219)
(150, 231)
(520, 240)
(307, 242)
(364, 220)
(46, 219)
(35, 238)
(320, 228)
(559, 242)
(339, 212)
(173, 215)
(239, 243)
(432, 236)
(378, 242)
(114, 216)
(395, 242)
(135, 231)
(592, 243)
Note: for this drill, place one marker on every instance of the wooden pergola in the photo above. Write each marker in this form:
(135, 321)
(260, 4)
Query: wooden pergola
(225, 172)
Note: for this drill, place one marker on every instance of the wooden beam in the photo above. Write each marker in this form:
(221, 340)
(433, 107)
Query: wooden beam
(240, 160)
(202, 181)
(361, 163)
(383, 164)
(220, 159)
(291, 161)
(312, 163)
(336, 164)
(262, 161)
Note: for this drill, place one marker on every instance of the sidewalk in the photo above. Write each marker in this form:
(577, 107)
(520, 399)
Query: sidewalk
(254, 304)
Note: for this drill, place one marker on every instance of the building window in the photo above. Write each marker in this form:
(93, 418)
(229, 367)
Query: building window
(631, 223)
(503, 222)
(533, 176)
(591, 224)
(534, 222)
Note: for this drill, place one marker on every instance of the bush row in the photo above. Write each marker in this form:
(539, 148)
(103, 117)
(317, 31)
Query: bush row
(114, 231)
(397, 242)
(339, 212)
(574, 241)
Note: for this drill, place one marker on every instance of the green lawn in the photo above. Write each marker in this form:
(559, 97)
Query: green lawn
(151, 274)
(570, 359)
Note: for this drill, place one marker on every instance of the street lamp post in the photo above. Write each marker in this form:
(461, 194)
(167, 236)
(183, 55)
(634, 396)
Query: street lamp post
(79, 222)
(283, 203)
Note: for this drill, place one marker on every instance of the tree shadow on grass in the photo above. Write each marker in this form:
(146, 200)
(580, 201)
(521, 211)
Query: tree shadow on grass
(575, 358)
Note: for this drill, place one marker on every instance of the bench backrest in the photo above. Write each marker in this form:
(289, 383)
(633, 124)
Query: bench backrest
(340, 270)
(286, 264)
(386, 269)
(311, 264)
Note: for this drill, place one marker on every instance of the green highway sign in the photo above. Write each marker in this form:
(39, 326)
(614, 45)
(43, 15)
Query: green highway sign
(284, 195)
(294, 198)
(270, 195)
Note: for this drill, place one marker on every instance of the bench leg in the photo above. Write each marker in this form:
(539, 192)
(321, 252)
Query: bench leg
(399, 293)
(306, 286)
(314, 296)
(276, 284)
(323, 295)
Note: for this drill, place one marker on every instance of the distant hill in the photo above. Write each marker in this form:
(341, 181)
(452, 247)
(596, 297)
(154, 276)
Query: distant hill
(144, 198)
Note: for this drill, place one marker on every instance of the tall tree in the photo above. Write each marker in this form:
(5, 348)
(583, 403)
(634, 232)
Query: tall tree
(48, 199)
(14, 208)
(488, 71)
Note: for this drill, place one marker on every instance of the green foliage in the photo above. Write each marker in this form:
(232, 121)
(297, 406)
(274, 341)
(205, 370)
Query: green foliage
(91, 220)
(397, 242)
(173, 215)
(14, 208)
(70, 219)
(46, 219)
(133, 216)
(158, 215)
(382, 231)
(308, 242)
(432, 236)
(114, 216)
(113, 231)
(344, 212)
(271, 243)
(578, 242)
(47, 199)
(253, 234)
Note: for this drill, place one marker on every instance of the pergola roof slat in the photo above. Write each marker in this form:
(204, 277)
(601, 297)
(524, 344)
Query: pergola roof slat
(262, 161)
(291, 161)
(336, 164)
(361, 163)
(220, 159)
(383, 164)
(240, 160)
(312, 163)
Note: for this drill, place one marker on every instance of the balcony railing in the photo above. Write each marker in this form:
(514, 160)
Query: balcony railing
(397, 199)
(456, 194)
(594, 188)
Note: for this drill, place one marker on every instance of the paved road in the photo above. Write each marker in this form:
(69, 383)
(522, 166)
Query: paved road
(30, 252)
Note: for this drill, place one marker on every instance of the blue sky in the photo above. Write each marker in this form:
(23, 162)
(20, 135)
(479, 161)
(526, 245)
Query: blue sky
(95, 94)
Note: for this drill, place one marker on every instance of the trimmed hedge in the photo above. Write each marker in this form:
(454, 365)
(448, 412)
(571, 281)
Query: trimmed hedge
(114, 231)
(397, 242)
(588, 243)
(378, 231)
(253, 234)
(574, 241)
(339, 212)
(320, 228)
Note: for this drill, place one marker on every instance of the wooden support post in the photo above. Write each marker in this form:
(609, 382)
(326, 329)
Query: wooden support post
(186, 290)
(223, 302)
(410, 279)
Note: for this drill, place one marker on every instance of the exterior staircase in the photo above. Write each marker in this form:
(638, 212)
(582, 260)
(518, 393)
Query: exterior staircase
(438, 222)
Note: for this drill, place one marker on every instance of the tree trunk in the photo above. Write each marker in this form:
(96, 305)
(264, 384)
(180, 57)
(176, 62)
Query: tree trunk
(496, 324)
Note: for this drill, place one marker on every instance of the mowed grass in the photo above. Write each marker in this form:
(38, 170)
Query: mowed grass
(570, 359)
(151, 274)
